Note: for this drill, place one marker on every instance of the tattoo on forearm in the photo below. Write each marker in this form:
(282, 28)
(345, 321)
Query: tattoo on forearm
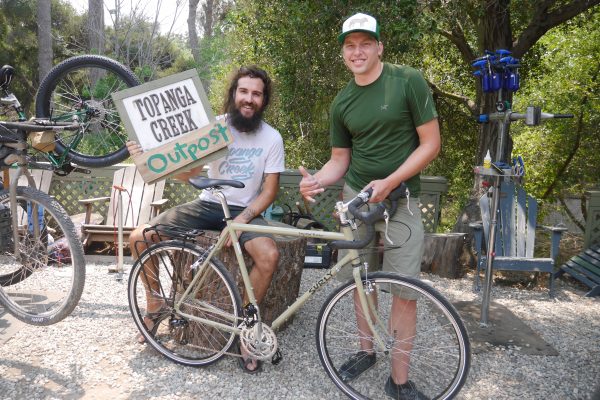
(249, 213)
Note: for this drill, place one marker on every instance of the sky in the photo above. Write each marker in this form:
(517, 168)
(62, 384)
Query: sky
(167, 11)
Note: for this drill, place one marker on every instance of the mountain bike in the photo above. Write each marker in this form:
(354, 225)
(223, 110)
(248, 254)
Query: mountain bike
(78, 90)
(42, 266)
(202, 317)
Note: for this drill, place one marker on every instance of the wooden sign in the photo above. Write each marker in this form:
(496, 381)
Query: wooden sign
(172, 121)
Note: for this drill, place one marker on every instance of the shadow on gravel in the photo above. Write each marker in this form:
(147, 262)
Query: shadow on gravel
(504, 330)
(42, 382)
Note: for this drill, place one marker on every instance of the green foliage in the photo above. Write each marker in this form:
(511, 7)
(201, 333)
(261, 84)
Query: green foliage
(296, 42)
(565, 82)
(18, 47)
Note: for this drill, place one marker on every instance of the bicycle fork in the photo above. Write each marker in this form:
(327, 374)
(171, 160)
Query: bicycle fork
(371, 316)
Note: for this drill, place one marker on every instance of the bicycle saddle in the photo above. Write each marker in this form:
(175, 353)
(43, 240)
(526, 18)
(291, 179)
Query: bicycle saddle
(200, 182)
(6, 75)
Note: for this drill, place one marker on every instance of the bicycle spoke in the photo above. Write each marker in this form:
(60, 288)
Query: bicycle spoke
(213, 298)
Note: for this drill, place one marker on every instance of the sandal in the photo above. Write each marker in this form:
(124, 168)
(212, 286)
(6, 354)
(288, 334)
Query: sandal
(244, 364)
(150, 318)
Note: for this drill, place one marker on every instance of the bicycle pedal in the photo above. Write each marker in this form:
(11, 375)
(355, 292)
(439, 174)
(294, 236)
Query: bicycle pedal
(277, 357)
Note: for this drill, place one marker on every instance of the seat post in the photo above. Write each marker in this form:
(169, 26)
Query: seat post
(224, 204)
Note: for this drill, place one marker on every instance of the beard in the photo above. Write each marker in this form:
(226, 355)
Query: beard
(241, 123)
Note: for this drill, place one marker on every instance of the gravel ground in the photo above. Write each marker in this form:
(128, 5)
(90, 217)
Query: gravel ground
(92, 353)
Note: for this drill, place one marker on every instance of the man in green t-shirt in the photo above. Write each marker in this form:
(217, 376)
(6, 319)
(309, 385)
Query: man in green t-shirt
(384, 131)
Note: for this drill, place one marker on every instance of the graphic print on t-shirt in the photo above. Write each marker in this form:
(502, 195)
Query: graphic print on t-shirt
(239, 163)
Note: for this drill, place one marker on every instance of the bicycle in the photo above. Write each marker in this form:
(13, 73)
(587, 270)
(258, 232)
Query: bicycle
(42, 266)
(202, 317)
(78, 90)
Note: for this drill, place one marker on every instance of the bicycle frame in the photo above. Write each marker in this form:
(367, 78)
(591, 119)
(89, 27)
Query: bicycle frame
(21, 148)
(352, 258)
(57, 161)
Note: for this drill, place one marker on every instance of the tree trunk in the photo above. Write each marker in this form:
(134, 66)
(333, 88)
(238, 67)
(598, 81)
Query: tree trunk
(496, 34)
(208, 13)
(285, 284)
(96, 26)
(192, 31)
(45, 53)
(443, 255)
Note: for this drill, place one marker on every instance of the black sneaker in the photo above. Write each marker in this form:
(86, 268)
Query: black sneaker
(356, 365)
(406, 391)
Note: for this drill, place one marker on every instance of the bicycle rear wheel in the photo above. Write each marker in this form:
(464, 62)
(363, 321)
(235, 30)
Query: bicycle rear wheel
(80, 88)
(43, 283)
(440, 355)
(160, 276)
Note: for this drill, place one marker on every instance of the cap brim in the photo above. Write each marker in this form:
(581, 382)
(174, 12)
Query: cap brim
(343, 35)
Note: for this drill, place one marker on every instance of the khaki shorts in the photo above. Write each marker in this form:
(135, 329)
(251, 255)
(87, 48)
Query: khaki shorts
(406, 232)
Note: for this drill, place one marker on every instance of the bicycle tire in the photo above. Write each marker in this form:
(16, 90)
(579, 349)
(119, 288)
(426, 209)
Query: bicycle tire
(87, 82)
(43, 286)
(440, 356)
(183, 341)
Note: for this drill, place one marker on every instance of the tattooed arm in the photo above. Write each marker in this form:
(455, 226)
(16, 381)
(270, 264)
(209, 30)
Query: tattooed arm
(270, 186)
(266, 196)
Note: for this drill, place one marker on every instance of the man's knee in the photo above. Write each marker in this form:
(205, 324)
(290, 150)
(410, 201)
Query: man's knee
(264, 252)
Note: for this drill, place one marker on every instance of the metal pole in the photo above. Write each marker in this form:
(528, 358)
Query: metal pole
(487, 287)
(120, 238)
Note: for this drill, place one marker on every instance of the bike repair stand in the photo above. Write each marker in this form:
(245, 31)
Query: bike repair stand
(498, 73)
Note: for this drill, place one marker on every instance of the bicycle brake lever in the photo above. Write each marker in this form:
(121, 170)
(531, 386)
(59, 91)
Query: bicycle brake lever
(386, 218)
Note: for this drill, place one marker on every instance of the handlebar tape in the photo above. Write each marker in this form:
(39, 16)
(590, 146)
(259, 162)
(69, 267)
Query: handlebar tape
(370, 217)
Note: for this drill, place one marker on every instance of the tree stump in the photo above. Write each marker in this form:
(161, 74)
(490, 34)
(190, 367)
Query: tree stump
(285, 284)
(442, 254)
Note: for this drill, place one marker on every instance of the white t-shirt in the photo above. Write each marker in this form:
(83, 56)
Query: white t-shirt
(250, 156)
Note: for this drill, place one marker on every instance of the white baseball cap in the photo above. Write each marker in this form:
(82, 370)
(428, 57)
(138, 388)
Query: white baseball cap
(359, 23)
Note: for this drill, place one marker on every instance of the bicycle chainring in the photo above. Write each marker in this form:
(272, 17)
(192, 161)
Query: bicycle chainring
(262, 349)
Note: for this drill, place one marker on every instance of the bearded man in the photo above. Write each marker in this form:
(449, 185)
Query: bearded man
(256, 158)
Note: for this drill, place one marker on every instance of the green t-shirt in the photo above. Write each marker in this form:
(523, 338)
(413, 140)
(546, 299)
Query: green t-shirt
(378, 122)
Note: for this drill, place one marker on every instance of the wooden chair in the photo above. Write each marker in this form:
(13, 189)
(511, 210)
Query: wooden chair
(141, 202)
(585, 267)
(515, 236)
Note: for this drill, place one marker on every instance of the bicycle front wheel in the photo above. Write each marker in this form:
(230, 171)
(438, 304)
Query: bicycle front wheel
(43, 283)
(80, 89)
(158, 280)
(436, 348)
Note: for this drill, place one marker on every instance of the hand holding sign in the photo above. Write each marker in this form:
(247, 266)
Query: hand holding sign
(171, 125)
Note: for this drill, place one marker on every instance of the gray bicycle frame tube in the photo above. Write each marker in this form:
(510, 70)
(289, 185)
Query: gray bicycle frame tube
(230, 231)
(12, 194)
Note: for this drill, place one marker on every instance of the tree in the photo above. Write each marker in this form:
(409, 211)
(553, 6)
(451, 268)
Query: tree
(192, 31)
(205, 48)
(566, 152)
(475, 26)
(95, 28)
(44, 23)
